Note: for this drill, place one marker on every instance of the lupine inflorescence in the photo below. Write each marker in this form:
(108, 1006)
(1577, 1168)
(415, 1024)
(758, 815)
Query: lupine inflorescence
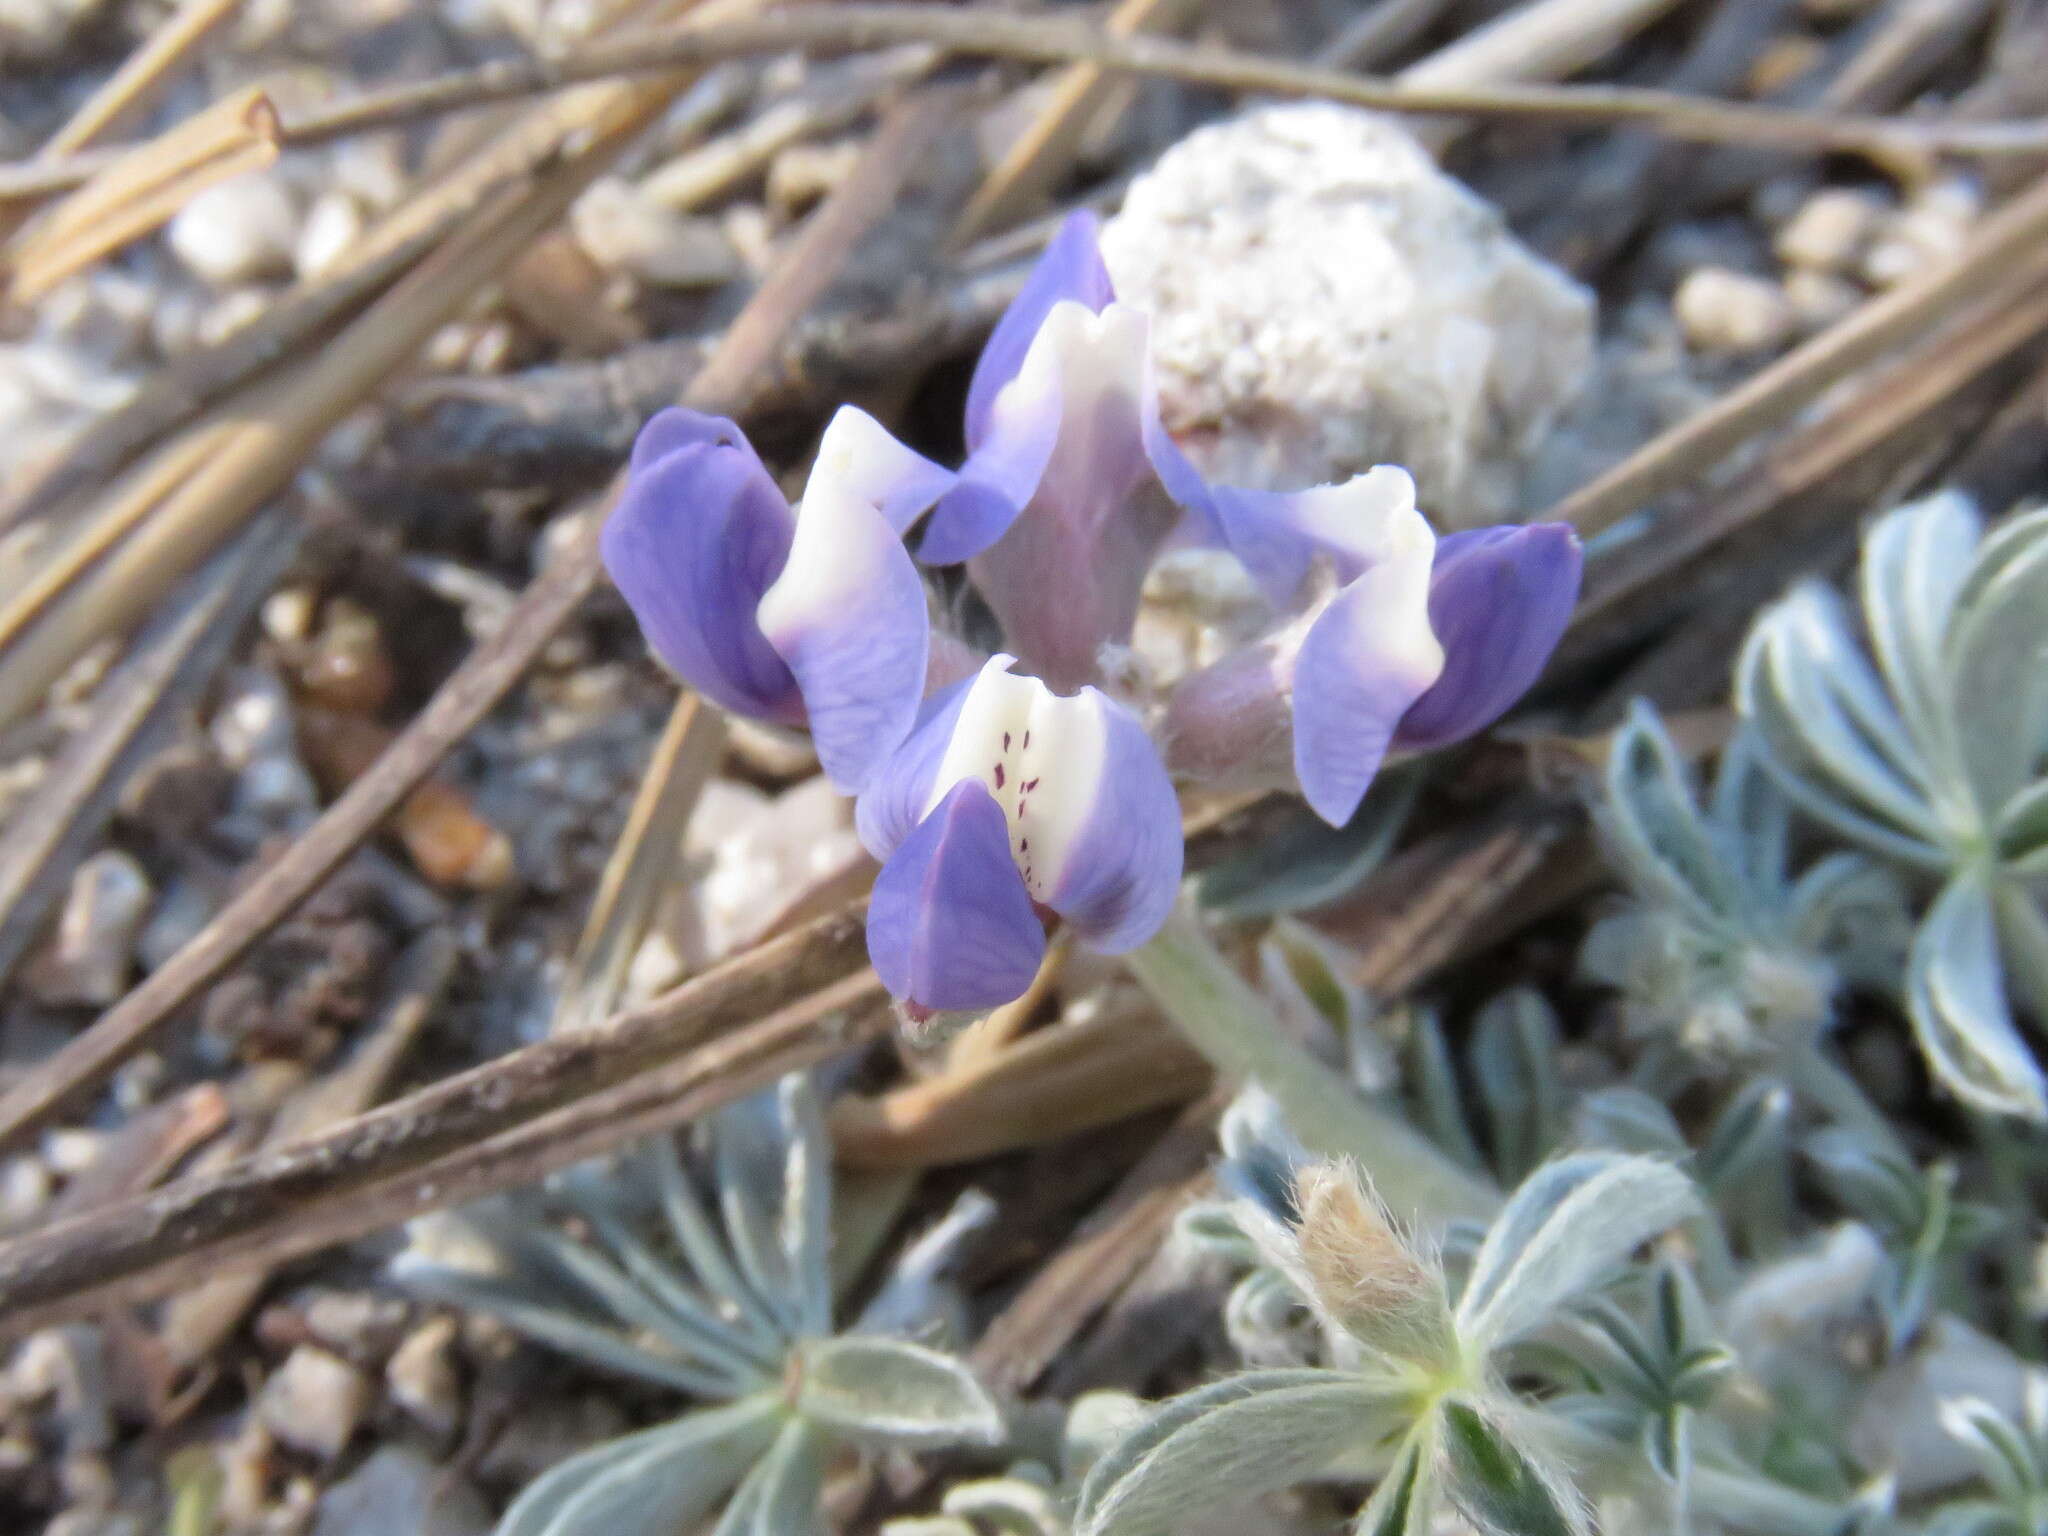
(1002, 791)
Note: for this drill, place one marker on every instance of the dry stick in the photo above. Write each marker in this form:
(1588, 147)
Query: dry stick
(651, 841)
(189, 384)
(495, 1127)
(488, 672)
(2012, 241)
(1036, 39)
(141, 75)
(1102, 1254)
(1634, 588)
(1044, 150)
(200, 1319)
(169, 662)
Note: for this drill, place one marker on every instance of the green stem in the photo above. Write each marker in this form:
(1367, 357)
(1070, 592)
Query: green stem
(1211, 1004)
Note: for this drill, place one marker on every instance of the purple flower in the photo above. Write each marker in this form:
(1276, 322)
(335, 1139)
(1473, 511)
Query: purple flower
(1071, 483)
(1395, 640)
(813, 617)
(1007, 799)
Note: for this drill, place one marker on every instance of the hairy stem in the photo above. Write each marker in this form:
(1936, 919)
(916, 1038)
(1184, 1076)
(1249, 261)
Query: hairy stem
(1211, 1004)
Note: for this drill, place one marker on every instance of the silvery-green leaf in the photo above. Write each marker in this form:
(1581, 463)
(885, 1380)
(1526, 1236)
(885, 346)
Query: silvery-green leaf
(890, 1392)
(1916, 559)
(1855, 913)
(2023, 830)
(1439, 1108)
(807, 1203)
(1495, 1486)
(1976, 1518)
(1514, 1063)
(1095, 1422)
(1869, 1180)
(1405, 1502)
(652, 1483)
(1650, 813)
(751, 1161)
(1260, 1152)
(1794, 680)
(1750, 812)
(783, 1493)
(937, 1525)
(1996, 648)
(1304, 864)
(1168, 1419)
(1667, 1443)
(1628, 1120)
(1264, 1318)
(1955, 996)
(917, 1294)
(706, 1248)
(1568, 1226)
(572, 1334)
(2004, 1458)
(1213, 1225)
(1751, 1132)
(1239, 1447)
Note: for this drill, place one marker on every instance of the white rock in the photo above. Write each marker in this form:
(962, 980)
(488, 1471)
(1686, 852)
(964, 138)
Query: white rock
(624, 231)
(239, 231)
(1325, 299)
(399, 1490)
(1830, 230)
(1725, 311)
(422, 1379)
(314, 1401)
(334, 225)
(89, 959)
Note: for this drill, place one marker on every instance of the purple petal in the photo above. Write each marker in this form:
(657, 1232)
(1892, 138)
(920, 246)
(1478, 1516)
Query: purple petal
(1070, 268)
(677, 428)
(894, 801)
(847, 613)
(950, 925)
(1001, 473)
(860, 455)
(1499, 601)
(698, 535)
(1124, 867)
(1278, 535)
(1364, 661)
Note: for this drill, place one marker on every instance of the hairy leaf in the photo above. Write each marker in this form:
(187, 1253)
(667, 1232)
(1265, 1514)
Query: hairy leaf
(1955, 996)
(891, 1392)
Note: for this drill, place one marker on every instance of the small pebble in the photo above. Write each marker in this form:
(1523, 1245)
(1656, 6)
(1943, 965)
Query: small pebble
(90, 957)
(242, 230)
(70, 1150)
(348, 667)
(1821, 299)
(627, 232)
(1927, 232)
(1725, 311)
(422, 1378)
(1784, 60)
(67, 1366)
(25, 1190)
(314, 1401)
(288, 613)
(358, 1324)
(1831, 230)
(334, 226)
(397, 1490)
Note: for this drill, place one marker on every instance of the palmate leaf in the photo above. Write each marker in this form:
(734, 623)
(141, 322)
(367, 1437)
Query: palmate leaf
(1955, 996)
(1230, 1441)
(781, 1495)
(1916, 562)
(1572, 1222)
(1994, 661)
(1514, 1063)
(652, 1483)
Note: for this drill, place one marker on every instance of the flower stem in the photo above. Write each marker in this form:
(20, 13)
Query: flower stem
(1211, 1004)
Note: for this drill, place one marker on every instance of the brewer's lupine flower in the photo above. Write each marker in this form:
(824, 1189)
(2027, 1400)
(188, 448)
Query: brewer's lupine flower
(1009, 800)
(1071, 483)
(1394, 639)
(809, 617)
